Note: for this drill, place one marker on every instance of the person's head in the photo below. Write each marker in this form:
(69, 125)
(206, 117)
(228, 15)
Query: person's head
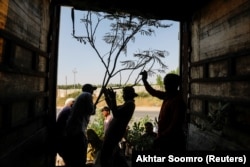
(129, 93)
(172, 82)
(105, 111)
(69, 102)
(148, 127)
(88, 88)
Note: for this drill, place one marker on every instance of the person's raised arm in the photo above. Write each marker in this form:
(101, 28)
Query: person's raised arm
(110, 98)
(149, 88)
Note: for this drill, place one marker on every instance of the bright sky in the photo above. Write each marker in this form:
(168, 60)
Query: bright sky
(78, 63)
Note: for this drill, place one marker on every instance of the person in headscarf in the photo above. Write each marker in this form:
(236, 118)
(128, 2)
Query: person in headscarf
(76, 127)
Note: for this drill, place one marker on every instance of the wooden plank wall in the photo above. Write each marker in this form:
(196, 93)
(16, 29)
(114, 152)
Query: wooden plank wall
(219, 77)
(24, 70)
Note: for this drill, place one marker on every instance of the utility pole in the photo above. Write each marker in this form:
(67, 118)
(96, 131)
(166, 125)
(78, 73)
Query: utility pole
(74, 72)
(66, 85)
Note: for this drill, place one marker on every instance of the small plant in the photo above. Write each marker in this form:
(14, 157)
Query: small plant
(216, 119)
(97, 124)
(218, 116)
(134, 136)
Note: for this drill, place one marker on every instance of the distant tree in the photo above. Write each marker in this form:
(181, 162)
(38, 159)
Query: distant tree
(176, 71)
(159, 81)
(123, 28)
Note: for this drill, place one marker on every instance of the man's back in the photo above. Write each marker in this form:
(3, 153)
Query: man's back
(80, 113)
(62, 120)
(119, 122)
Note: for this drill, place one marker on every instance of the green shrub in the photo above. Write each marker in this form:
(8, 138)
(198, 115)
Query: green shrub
(134, 135)
(97, 124)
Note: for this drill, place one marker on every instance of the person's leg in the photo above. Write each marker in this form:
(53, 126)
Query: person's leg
(77, 153)
(106, 157)
(119, 158)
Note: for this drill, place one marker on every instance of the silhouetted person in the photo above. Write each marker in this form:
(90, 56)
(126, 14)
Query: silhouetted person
(117, 127)
(147, 139)
(76, 127)
(61, 121)
(170, 136)
(149, 130)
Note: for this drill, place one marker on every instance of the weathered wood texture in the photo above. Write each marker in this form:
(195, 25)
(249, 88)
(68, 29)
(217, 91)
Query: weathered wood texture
(24, 71)
(220, 76)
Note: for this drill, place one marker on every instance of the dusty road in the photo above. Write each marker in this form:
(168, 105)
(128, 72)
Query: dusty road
(140, 112)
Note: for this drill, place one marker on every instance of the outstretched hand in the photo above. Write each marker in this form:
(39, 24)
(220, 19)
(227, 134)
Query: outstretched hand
(109, 93)
(144, 75)
(110, 98)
